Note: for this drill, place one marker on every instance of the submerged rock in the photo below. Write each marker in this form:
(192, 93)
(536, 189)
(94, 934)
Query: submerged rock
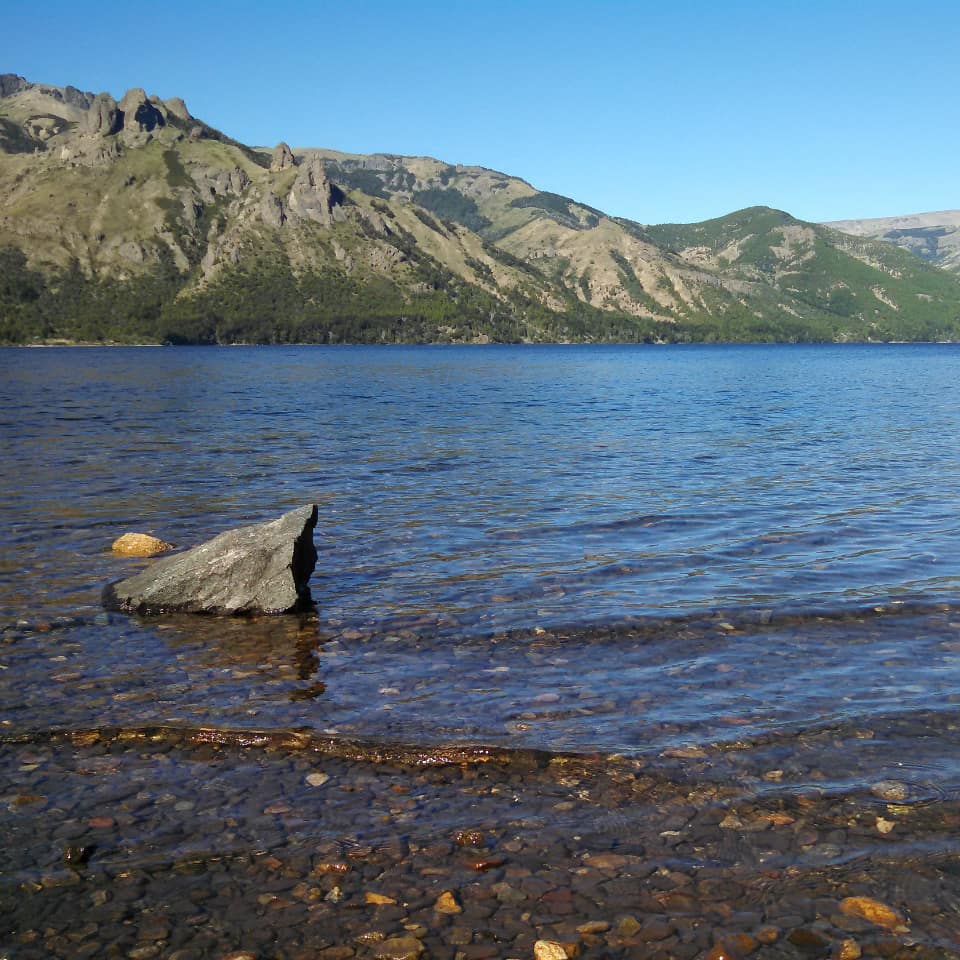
(264, 568)
(549, 950)
(866, 908)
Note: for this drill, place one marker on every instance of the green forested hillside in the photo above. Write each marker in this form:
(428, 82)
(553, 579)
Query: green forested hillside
(843, 286)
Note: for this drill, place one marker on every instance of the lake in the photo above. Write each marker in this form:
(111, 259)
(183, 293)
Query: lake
(648, 651)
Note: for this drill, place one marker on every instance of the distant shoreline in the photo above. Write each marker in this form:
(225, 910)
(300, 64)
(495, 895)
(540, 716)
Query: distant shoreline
(80, 343)
(540, 343)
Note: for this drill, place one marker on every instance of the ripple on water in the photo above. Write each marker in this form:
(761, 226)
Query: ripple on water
(657, 586)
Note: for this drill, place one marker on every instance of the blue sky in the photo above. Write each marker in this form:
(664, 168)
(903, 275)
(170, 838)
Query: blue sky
(655, 111)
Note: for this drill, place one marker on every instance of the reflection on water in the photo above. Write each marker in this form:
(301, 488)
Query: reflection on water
(724, 581)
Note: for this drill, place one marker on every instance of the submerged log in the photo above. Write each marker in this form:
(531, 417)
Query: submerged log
(264, 568)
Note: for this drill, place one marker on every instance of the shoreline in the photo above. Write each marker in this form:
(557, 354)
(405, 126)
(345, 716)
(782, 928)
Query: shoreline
(495, 344)
(208, 848)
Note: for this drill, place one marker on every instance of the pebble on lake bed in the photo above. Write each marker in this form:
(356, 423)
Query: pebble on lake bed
(399, 948)
(317, 779)
(848, 949)
(866, 908)
(378, 899)
(891, 790)
(447, 903)
(549, 950)
(139, 545)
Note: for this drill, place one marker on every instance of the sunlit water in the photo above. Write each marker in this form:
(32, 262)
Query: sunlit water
(732, 564)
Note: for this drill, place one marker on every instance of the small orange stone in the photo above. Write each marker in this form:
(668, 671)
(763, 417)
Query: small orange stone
(779, 819)
(848, 949)
(719, 952)
(549, 950)
(447, 903)
(876, 912)
(139, 545)
(767, 934)
(378, 899)
(742, 943)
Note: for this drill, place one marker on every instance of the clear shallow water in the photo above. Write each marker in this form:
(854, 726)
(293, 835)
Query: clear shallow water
(738, 567)
(470, 492)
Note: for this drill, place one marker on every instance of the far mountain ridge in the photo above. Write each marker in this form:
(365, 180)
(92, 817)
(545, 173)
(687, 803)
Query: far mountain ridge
(133, 220)
(934, 236)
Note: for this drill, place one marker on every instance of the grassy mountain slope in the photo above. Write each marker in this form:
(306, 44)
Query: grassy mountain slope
(137, 222)
(845, 287)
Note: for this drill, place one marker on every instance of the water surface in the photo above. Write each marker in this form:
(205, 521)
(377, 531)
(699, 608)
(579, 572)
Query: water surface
(736, 569)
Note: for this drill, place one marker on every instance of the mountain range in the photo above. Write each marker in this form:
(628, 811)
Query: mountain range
(133, 221)
(934, 237)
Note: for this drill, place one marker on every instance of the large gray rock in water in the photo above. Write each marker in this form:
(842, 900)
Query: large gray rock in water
(264, 568)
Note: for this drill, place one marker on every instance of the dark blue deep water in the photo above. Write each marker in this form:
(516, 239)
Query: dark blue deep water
(724, 580)
(585, 483)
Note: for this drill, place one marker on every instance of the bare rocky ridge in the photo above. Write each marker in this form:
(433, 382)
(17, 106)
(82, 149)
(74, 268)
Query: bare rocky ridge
(10, 84)
(934, 237)
(177, 108)
(103, 116)
(313, 196)
(282, 158)
(141, 114)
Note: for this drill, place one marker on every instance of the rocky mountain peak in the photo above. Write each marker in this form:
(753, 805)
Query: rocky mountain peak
(11, 83)
(313, 196)
(177, 108)
(103, 117)
(282, 158)
(140, 113)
